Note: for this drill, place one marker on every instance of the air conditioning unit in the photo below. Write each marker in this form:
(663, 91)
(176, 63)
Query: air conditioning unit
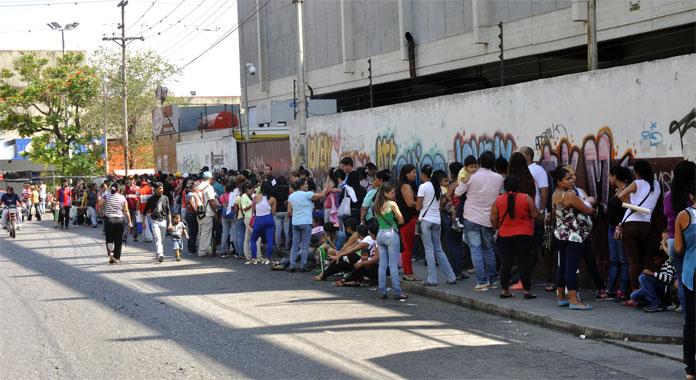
(579, 10)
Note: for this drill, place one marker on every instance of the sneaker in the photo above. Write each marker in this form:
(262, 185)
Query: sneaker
(481, 287)
(117, 261)
(493, 285)
(652, 309)
(111, 259)
(250, 262)
(400, 297)
(178, 257)
(602, 295)
(225, 255)
(160, 258)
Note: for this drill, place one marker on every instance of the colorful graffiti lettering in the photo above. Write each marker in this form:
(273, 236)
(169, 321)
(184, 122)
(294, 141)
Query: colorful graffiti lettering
(359, 158)
(319, 151)
(385, 151)
(683, 125)
(651, 136)
(416, 157)
(502, 144)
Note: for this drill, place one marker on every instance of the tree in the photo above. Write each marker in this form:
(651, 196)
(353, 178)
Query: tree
(146, 71)
(49, 107)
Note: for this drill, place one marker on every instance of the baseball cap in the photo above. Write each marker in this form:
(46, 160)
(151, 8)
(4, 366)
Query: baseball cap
(207, 175)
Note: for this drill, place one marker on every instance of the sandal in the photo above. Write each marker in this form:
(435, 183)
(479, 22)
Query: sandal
(317, 278)
(509, 295)
(409, 277)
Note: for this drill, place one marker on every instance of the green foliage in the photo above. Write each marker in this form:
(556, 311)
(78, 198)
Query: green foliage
(49, 107)
(146, 71)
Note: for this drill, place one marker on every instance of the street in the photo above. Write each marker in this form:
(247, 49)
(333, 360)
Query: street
(66, 313)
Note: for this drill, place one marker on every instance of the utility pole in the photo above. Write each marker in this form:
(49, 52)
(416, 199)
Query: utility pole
(123, 42)
(302, 103)
(501, 55)
(106, 136)
(369, 76)
(592, 35)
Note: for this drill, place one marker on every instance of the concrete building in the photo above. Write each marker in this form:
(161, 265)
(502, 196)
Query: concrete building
(455, 44)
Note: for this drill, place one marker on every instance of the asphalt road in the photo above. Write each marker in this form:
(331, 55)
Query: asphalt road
(66, 313)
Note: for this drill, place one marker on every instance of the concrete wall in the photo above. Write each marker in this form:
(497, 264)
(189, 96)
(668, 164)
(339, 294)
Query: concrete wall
(216, 153)
(585, 119)
(443, 30)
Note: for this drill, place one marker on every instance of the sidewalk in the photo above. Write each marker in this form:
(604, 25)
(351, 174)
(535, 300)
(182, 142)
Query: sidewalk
(608, 320)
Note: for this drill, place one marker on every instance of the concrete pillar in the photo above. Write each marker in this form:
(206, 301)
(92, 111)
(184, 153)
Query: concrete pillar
(347, 36)
(262, 70)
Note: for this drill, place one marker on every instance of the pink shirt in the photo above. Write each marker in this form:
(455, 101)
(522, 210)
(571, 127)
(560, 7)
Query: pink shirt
(481, 191)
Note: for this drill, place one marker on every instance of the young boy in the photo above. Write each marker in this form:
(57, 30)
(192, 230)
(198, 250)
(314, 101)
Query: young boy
(654, 286)
(178, 228)
(470, 167)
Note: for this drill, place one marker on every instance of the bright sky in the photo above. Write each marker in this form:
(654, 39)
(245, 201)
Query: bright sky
(179, 30)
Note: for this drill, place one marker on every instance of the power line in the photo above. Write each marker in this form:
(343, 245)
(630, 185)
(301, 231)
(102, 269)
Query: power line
(176, 23)
(179, 42)
(227, 34)
(48, 3)
(163, 18)
(143, 15)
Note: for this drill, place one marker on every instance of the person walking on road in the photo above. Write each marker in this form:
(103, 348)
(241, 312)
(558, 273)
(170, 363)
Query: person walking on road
(63, 198)
(159, 217)
(115, 215)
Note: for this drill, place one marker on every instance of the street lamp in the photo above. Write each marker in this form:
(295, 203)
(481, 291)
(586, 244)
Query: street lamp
(56, 26)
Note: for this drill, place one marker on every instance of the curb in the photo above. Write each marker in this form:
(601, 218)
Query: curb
(643, 350)
(537, 319)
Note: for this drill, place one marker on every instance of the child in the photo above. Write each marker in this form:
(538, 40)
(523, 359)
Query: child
(470, 167)
(654, 286)
(177, 229)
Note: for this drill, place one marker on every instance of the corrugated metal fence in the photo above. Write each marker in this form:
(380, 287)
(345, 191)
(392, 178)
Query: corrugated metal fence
(253, 155)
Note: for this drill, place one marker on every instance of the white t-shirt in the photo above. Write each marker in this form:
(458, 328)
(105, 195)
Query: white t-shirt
(540, 181)
(208, 194)
(650, 202)
(370, 244)
(431, 213)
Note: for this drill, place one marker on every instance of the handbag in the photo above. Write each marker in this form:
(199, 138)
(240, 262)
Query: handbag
(420, 215)
(344, 207)
(618, 232)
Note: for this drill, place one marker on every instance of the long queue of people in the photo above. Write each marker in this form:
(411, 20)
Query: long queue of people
(362, 225)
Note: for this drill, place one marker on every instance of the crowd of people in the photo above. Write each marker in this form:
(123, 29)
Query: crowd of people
(487, 217)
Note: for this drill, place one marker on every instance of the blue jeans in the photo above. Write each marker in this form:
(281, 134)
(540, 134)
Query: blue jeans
(480, 241)
(650, 288)
(282, 226)
(300, 244)
(453, 241)
(229, 234)
(239, 237)
(389, 256)
(430, 235)
(263, 225)
(678, 262)
(618, 266)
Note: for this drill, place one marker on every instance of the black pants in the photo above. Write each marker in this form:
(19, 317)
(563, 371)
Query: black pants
(64, 216)
(689, 329)
(570, 253)
(635, 241)
(132, 212)
(515, 249)
(192, 223)
(369, 272)
(340, 266)
(591, 263)
(114, 235)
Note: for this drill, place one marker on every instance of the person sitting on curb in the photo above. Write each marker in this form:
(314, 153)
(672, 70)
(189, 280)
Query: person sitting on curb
(653, 286)
(365, 270)
(351, 254)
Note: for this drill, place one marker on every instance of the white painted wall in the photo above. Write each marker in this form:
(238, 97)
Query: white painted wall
(215, 153)
(626, 100)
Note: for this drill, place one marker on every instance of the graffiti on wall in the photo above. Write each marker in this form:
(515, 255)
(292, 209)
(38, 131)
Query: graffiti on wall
(359, 158)
(683, 125)
(319, 152)
(385, 151)
(651, 136)
(550, 135)
(502, 144)
(417, 157)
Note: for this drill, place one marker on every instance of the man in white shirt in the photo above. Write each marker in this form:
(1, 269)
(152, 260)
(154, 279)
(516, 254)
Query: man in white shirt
(205, 225)
(481, 188)
(541, 182)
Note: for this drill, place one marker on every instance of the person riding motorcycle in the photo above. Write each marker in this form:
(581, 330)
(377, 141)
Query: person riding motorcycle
(9, 199)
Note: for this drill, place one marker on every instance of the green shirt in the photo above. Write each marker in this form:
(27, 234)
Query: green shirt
(387, 221)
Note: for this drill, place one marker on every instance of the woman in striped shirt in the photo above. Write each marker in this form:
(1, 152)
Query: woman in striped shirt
(115, 209)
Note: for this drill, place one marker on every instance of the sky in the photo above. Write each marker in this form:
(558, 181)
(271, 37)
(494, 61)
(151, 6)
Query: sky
(178, 30)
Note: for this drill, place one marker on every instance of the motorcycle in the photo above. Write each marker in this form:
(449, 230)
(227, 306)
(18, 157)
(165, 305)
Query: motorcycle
(12, 221)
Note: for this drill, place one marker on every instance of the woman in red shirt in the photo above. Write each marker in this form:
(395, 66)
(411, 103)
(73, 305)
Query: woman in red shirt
(513, 213)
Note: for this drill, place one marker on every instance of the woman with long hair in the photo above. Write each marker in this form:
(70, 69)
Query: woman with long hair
(406, 201)
(428, 202)
(572, 229)
(645, 192)
(264, 209)
(619, 178)
(685, 248)
(388, 217)
(676, 200)
(115, 217)
(513, 214)
(518, 168)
